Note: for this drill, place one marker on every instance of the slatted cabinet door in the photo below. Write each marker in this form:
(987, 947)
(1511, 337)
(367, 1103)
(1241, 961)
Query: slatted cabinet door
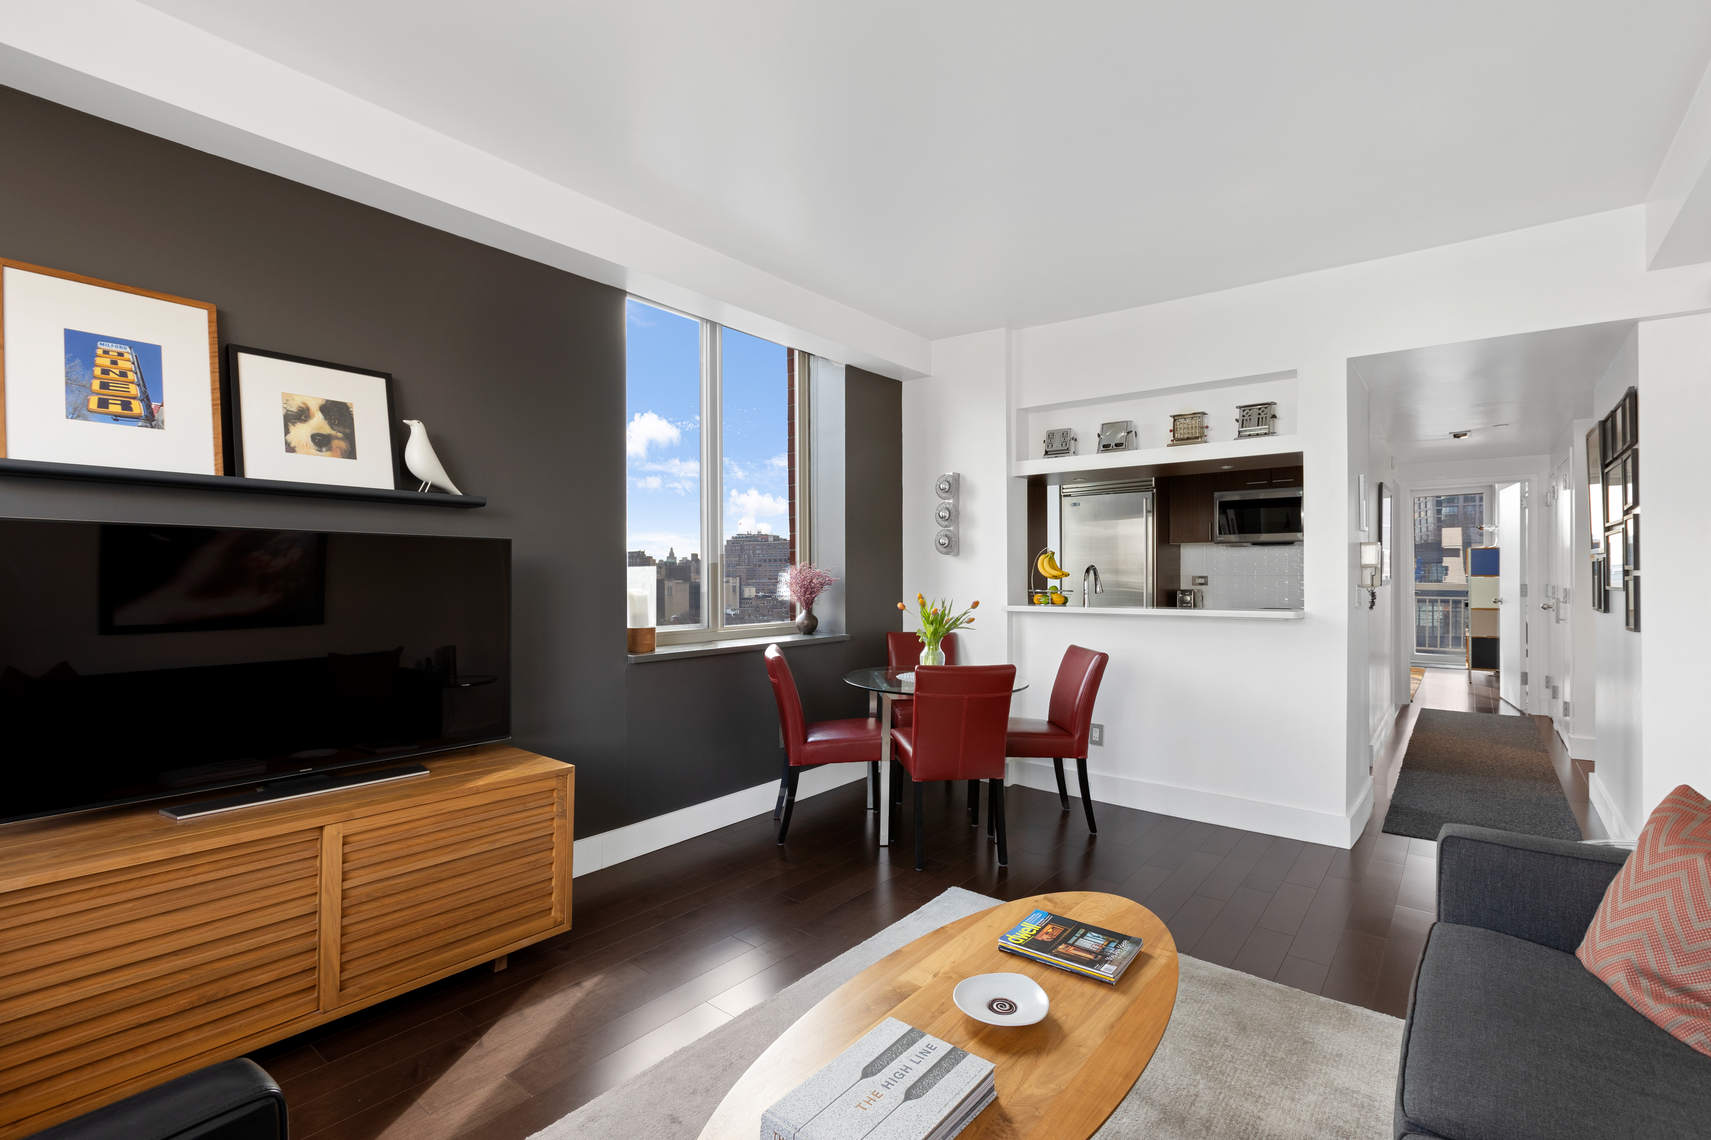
(115, 977)
(417, 893)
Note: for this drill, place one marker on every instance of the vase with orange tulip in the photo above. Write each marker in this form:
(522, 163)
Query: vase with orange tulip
(938, 616)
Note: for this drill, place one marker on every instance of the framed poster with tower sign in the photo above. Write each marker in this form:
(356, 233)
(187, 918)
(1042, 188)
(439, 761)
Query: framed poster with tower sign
(106, 375)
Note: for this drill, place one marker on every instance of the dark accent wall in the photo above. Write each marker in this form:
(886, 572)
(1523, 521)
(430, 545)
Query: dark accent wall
(518, 371)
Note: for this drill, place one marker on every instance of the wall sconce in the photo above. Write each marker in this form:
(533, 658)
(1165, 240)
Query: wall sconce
(1371, 563)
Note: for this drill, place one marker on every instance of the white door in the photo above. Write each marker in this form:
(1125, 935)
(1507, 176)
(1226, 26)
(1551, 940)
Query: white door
(1511, 573)
(1554, 612)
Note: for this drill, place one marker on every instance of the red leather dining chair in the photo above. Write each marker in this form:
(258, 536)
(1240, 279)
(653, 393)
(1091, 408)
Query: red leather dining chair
(853, 740)
(1063, 734)
(903, 652)
(958, 733)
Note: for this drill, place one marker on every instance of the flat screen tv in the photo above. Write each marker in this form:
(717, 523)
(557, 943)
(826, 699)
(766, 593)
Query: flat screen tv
(142, 662)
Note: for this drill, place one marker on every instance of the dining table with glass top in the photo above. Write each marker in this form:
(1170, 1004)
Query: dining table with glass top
(884, 688)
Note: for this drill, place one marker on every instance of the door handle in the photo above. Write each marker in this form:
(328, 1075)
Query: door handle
(1547, 605)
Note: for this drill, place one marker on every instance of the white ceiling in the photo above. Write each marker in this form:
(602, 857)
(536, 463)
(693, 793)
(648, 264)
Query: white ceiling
(1533, 384)
(960, 165)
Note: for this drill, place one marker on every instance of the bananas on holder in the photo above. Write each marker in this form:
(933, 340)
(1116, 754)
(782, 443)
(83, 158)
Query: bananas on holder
(1047, 565)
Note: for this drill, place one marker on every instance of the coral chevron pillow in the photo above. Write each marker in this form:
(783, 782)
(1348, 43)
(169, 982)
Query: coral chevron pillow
(1651, 938)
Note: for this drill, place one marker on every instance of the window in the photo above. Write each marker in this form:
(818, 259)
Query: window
(714, 450)
(1445, 525)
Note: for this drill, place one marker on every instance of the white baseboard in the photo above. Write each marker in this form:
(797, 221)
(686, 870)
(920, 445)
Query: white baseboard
(1287, 820)
(612, 847)
(1580, 746)
(1602, 803)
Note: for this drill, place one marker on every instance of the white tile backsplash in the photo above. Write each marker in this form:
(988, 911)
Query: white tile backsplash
(1239, 577)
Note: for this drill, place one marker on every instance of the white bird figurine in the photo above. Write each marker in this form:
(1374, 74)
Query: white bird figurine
(419, 457)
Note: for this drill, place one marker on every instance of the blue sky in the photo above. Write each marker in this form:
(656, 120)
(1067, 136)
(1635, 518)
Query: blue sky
(663, 432)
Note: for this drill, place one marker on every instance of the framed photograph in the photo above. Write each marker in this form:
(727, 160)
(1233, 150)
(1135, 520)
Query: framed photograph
(1615, 492)
(1386, 495)
(1615, 557)
(308, 421)
(106, 375)
(1631, 603)
(1631, 542)
(1631, 413)
(1595, 487)
(1622, 438)
(1631, 481)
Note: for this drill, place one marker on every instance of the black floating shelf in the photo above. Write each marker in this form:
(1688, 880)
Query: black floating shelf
(36, 469)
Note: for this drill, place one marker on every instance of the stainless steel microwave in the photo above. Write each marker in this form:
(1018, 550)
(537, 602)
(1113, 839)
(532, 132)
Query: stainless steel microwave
(1271, 515)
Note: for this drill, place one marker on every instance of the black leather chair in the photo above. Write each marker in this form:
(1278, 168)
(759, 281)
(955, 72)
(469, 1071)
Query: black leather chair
(234, 1100)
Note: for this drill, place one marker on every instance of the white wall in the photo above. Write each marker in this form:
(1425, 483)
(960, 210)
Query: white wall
(1260, 725)
(957, 420)
(1582, 691)
(1675, 539)
(1615, 784)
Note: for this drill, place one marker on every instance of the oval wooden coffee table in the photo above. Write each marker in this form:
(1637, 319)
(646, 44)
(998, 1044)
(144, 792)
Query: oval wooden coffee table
(1058, 1079)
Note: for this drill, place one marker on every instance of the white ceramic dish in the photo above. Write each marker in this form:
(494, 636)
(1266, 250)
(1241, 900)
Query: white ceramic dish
(907, 680)
(1002, 999)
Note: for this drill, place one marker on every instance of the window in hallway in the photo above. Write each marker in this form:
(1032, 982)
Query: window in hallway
(1445, 525)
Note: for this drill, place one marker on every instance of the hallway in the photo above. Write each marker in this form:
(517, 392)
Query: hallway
(1451, 690)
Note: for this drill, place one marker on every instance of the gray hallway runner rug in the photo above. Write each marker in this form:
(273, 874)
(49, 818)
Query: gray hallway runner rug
(1241, 1059)
(1482, 769)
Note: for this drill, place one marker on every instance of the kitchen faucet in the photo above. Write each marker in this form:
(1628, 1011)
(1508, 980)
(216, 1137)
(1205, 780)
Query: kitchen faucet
(1097, 587)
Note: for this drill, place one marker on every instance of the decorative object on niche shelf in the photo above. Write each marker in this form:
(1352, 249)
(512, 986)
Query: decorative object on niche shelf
(1046, 566)
(1060, 441)
(1117, 435)
(802, 583)
(641, 639)
(106, 375)
(1256, 420)
(308, 421)
(947, 487)
(938, 617)
(419, 457)
(1188, 427)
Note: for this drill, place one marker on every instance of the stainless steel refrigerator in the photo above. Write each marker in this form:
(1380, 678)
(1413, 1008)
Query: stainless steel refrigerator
(1112, 526)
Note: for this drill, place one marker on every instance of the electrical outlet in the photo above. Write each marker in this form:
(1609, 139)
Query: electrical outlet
(1096, 735)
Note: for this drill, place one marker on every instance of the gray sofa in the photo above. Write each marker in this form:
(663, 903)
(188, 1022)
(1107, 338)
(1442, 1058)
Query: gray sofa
(1508, 1035)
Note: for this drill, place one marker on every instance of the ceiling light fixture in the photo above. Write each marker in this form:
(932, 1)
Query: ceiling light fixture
(1460, 434)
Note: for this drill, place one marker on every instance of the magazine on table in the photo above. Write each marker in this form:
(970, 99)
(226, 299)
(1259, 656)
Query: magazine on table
(896, 1083)
(1079, 947)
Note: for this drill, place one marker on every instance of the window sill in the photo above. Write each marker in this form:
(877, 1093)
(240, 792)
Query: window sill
(738, 645)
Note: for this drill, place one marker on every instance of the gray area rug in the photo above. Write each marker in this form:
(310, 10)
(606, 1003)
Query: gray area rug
(1478, 768)
(1242, 1057)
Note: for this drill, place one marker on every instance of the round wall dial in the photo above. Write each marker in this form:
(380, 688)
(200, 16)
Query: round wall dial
(945, 514)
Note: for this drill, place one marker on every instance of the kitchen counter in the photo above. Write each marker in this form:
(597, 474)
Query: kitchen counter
(1160, 612)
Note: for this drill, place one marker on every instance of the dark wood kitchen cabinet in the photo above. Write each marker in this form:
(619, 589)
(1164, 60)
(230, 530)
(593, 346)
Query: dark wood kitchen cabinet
(1190, 499)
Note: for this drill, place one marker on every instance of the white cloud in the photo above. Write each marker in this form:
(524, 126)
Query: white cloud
(648, 482)
(676, 468)
(734, 469)
(646, 430)
(758, 504)
(748, 509)
(779, 462)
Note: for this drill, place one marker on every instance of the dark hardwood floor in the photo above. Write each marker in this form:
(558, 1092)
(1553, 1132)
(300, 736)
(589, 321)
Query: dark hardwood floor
(670, 945)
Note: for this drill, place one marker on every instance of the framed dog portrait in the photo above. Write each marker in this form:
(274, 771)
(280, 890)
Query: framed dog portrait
(106, 375)
(308, 421)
